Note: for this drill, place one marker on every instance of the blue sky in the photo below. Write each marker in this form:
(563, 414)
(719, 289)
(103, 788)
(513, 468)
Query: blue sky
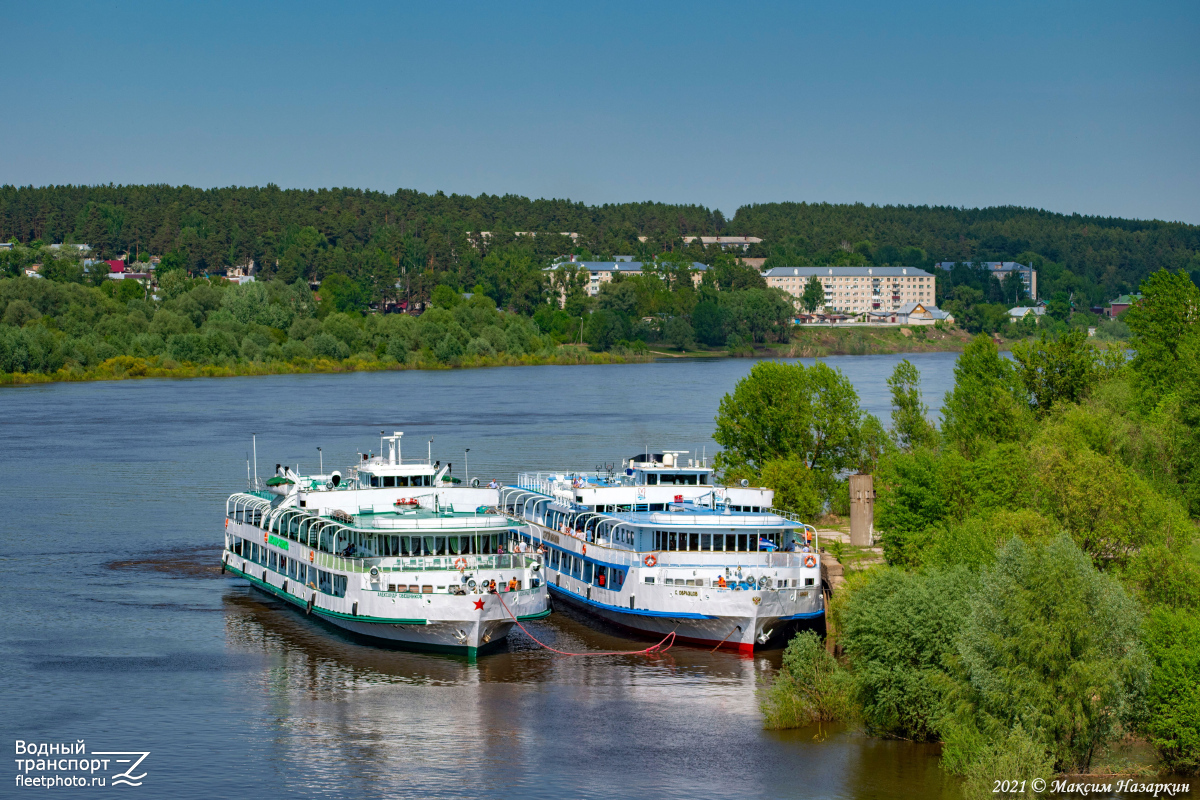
(1088, 107)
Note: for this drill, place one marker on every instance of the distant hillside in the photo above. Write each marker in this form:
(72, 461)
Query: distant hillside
(355, 232)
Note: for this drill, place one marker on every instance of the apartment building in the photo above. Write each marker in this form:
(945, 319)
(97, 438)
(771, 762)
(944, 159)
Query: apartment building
(859, 290)
(603, 271)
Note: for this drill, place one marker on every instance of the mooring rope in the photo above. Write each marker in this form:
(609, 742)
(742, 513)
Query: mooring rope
(652, 650)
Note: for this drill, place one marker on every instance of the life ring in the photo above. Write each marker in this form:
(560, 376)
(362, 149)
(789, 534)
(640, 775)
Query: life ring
(460, 564)
(810, 560)
(310, 556)
(650, 560)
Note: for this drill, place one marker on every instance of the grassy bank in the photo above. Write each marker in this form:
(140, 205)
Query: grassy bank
(126, 367)
(806, 343)
(810, 342)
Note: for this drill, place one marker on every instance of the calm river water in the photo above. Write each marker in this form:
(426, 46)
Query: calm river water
(119, 630)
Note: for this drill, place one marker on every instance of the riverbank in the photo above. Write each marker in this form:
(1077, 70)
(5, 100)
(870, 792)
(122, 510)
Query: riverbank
(807, 342)
(127, 367)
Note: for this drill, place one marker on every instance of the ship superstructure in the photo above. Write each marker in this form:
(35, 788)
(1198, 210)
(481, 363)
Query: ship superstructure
(657, 547)
(392, 551)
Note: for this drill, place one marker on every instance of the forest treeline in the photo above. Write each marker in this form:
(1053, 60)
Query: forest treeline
(420, 240)
(1039, 608)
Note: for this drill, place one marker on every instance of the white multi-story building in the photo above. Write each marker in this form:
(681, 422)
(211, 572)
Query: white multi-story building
(859, 290)
(603, 271)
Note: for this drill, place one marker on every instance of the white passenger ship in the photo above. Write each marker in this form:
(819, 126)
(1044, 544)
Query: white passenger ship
(657, 548)
(395, 551)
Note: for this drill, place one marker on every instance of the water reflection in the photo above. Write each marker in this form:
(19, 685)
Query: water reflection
(525, 720)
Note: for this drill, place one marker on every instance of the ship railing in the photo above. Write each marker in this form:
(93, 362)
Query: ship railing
(449, 563)
(479, 521)
(794, 517)
(762, 558)
(548, 482)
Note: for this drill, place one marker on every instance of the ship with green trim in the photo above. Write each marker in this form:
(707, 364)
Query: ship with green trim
(394, 551)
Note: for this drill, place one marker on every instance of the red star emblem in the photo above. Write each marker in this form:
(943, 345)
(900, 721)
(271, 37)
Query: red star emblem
(479, 605)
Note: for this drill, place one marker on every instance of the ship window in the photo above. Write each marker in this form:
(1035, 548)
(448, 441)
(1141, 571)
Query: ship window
(652, 480)
(706, 541)
(388, 481)
(587, 572)
(426, 590)
(427, 480)
(658, 506)
(693, 541)
(649, 579)
(704, 480)
(553, 559)
(402, 480)
(375, 480)
(808, 581)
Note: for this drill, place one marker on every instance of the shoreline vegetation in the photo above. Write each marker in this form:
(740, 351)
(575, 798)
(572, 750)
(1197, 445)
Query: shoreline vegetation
(1036, 610)
(805, 343)
(129, 367)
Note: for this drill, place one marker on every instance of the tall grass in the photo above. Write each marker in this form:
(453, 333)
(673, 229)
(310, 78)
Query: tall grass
(810, 687)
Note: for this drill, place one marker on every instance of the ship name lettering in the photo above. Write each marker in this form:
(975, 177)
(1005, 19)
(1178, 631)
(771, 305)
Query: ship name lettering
(687, 592)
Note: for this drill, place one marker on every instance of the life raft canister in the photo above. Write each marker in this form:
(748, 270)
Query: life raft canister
(810, 560)
(650, 560)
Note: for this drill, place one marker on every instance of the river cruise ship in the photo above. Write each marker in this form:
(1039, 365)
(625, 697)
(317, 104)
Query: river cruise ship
(656, 547)
(393, 550)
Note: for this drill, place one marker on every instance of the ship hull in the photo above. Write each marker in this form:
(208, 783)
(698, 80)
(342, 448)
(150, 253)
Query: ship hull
(743, 633)
(471, 633)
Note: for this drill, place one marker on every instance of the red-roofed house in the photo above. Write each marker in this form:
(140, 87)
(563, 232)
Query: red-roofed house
(116, 265)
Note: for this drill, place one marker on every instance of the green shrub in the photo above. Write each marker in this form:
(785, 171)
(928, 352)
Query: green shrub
(1017, 757)
(325, 345)
(899, 632)
(449, 350)
(810, 687)
(480, 347)
(1173, 700)
(397, 348)
(793, 484)
(1051, 644)
(973, 542)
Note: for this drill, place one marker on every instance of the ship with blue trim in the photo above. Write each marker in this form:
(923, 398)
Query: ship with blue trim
(657, 547)
(395, 551)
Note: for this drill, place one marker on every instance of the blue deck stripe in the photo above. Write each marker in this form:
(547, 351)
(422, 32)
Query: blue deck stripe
(637, 612)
